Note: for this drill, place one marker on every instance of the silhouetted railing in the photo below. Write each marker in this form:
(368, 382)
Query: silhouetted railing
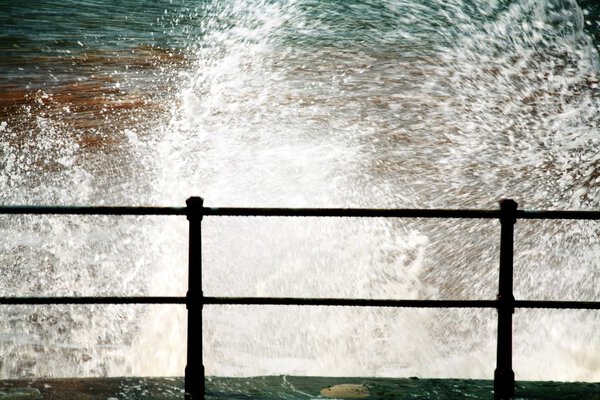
(505, 303)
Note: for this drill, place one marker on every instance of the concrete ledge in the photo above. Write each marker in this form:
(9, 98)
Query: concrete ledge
(93, 389)
(289, 387)
(20, 394)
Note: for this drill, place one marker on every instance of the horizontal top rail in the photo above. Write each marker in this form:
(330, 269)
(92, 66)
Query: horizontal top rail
(533, 214)
(350, 212)
(250, 211)
(297, 212)
(396, 213)
(85, 210)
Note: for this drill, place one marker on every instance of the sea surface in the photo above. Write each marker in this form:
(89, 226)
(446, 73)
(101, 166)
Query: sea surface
(298, 103)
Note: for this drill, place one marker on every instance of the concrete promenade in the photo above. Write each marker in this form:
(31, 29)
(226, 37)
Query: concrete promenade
(93, 389)
(288, 387)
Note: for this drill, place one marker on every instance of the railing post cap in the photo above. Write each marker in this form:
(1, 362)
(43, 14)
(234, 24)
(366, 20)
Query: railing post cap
(194, 207)
(194, 201)
(508, 204)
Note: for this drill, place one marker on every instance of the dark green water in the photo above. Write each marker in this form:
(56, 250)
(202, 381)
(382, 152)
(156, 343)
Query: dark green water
(34, 31)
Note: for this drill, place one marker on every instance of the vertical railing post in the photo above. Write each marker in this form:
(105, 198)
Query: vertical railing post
(504, 376)
(194, 370)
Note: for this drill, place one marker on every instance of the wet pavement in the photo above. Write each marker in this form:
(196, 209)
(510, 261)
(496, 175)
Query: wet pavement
(287, 387)
(93, 389)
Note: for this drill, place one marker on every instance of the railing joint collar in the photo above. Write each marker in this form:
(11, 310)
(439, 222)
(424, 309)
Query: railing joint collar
(508, 211)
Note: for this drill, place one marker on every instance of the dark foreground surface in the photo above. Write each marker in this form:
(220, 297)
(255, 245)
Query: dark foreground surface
(285, 387)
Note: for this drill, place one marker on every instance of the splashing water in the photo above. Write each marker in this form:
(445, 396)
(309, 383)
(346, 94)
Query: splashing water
(308, 103)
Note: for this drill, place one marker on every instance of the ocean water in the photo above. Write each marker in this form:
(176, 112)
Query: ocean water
(298, 103)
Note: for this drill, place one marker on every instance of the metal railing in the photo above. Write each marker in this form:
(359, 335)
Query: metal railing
(505, 303)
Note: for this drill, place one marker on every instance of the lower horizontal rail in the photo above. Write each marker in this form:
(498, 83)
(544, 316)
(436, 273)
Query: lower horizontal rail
(292, 301)
(581, 305)
(93, 300)
(585, 305)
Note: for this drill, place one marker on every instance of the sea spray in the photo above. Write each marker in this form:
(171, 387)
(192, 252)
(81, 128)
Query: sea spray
(474, 103)
(305, 103)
